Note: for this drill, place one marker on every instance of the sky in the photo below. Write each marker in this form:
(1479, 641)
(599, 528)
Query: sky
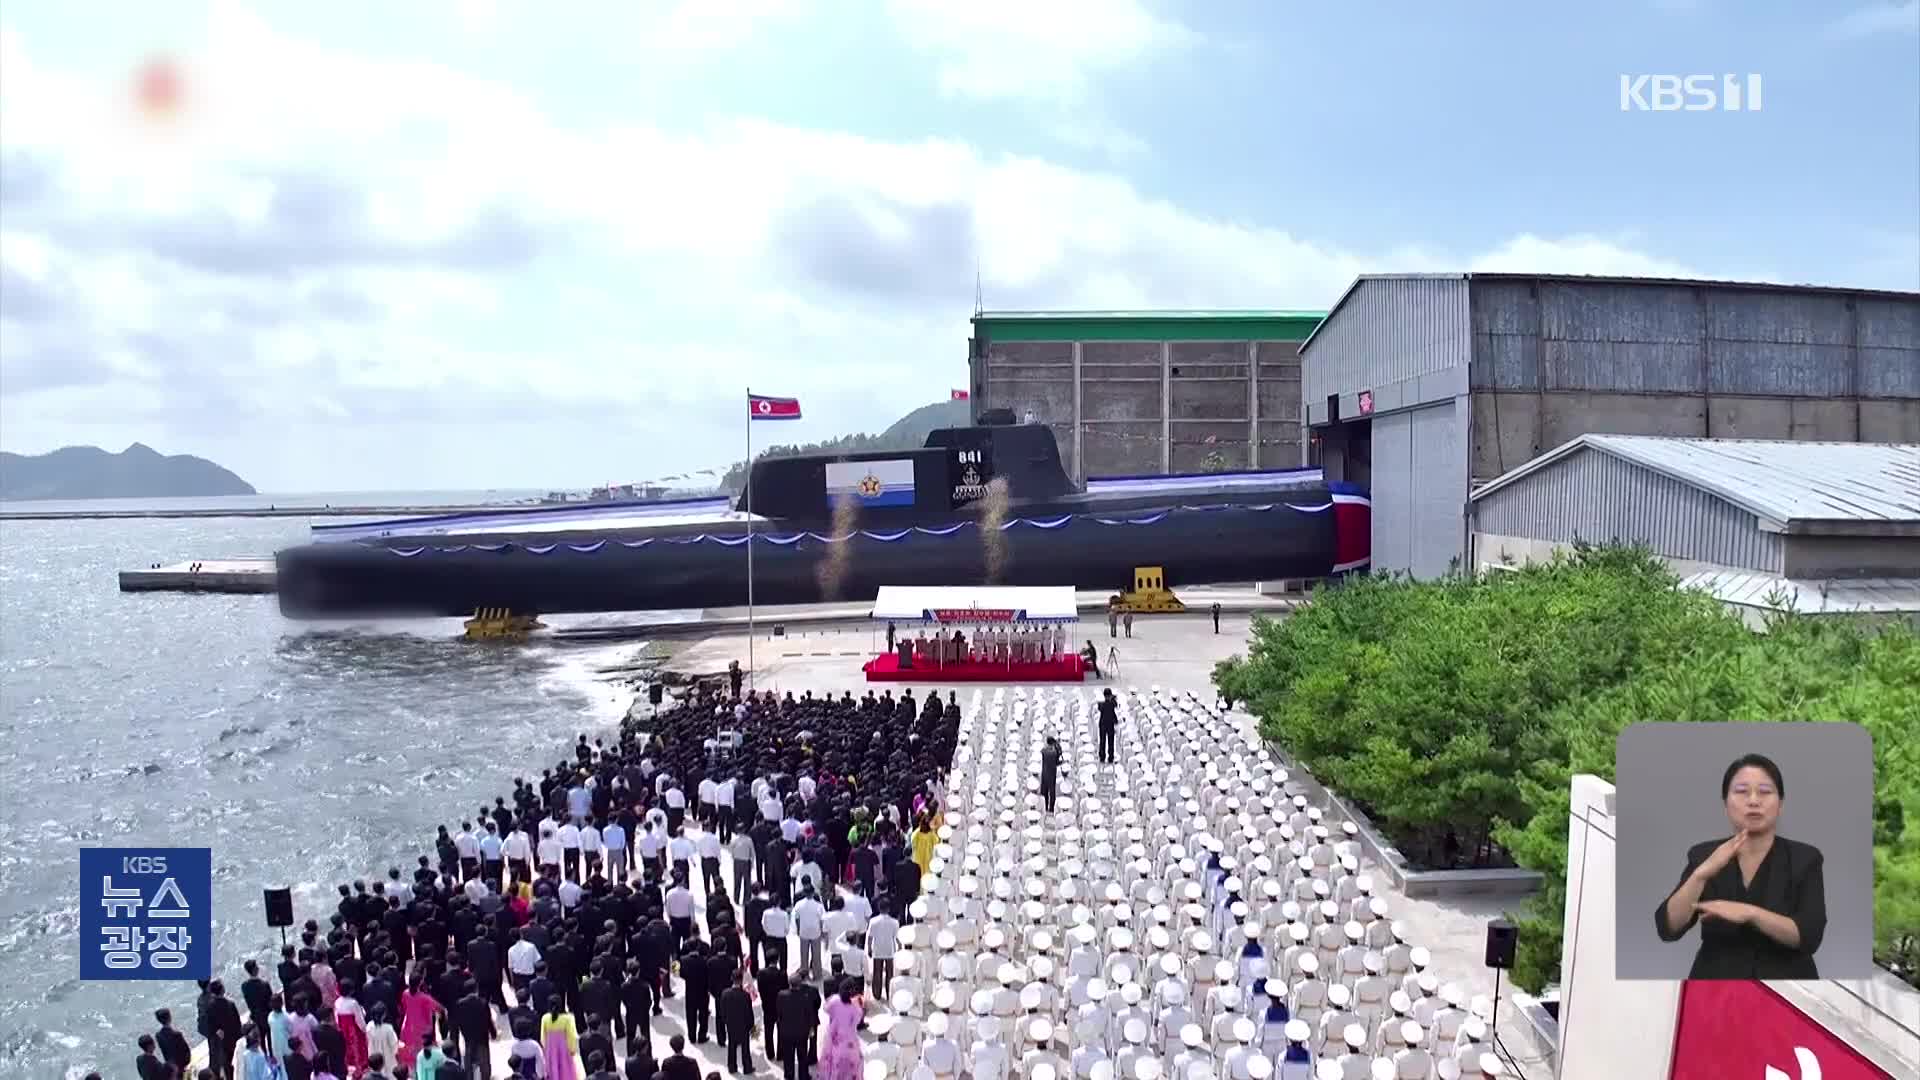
(464, 244)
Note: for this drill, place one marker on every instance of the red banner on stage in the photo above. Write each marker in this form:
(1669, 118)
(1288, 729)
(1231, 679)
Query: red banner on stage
(1742, 1030)
(976, 615)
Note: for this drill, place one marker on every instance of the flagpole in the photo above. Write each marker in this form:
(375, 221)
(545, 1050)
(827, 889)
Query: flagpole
(749, 505)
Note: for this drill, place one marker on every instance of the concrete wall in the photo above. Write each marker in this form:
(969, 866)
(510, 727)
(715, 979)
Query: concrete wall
(1554, 359)
(1280, 425)
(1144, 407)
(1122, 414)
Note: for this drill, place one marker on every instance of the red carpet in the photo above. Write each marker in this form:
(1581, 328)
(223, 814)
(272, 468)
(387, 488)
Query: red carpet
(886, 668)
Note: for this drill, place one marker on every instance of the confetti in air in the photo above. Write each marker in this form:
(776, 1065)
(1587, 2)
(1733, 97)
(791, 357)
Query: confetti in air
(831, 571)
(993, 514)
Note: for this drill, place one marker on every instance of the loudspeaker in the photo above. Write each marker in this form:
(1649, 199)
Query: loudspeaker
(653, 694)
(279, 907)
(1502, 937)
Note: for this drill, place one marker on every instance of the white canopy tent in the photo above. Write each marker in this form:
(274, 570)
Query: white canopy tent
(977, 604)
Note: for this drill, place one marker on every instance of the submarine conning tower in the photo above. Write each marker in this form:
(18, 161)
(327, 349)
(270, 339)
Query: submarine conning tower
(952, 471)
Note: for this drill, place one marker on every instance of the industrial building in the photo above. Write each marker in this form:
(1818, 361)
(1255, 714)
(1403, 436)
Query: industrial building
(1424, 387)
(1131, 393)
(1813, 527)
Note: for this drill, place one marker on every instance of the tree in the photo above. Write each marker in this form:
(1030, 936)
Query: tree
(1456, 711)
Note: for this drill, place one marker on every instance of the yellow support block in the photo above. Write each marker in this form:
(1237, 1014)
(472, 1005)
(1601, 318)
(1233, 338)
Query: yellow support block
(1149, 594)
(501, 624)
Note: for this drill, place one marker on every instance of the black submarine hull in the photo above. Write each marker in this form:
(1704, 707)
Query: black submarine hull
(1296, 537)
(990, 504)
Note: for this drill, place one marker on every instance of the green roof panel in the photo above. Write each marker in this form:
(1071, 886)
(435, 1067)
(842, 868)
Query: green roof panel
(1244, 325)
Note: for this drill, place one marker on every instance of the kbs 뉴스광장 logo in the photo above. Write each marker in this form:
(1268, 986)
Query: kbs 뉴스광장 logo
(146, 913)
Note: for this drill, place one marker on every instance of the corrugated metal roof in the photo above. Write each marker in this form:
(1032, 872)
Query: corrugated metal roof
(1795, 487)
(1598, 279)
(1808, 597)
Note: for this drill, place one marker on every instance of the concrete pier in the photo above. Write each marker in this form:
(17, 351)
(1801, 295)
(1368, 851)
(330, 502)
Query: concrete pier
(207, 575)
(374, 512)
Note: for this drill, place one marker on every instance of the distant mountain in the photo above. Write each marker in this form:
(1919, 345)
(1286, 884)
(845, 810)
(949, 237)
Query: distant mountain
(138, 472)
(907, 433)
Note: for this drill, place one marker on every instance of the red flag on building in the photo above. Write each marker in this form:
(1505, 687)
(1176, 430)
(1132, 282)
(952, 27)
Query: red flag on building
(772, 408)
(961, 395)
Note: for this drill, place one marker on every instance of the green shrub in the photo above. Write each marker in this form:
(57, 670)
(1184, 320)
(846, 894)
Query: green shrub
(1463, 706)
(1808, 669)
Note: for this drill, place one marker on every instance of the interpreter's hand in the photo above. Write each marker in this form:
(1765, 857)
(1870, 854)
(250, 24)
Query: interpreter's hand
(1731, 911)
(1722, 855)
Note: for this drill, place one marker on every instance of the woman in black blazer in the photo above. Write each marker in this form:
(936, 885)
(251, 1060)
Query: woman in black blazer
(1759, 897)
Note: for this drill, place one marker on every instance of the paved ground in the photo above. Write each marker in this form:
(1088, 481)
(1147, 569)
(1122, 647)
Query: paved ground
(1176, 652)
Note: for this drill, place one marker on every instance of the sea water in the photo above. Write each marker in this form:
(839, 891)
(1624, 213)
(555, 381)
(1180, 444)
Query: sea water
(304, 756)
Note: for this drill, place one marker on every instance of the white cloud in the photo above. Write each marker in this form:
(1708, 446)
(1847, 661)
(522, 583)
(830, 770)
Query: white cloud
(350, 272)
(1900, 17)
(1582, 254)
(1018, 49)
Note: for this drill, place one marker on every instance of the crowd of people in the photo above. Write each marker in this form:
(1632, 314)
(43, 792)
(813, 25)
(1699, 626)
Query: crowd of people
(572, 912)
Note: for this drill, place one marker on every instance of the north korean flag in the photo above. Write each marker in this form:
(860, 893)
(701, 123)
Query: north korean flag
(772, 408)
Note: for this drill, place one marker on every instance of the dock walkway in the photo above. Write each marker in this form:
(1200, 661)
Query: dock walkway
(261, 512)
(203, 575)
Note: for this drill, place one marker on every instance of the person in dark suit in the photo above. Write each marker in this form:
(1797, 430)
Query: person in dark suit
(736, 1027)
(596, 1041)
(1050, 772)
(1109, 727)
(258, 994)
(773, 981)
(290, 970)
(699, 1003)
(483, 959)
(598, 996)
(722, 972)
(472, 1018)
(148, 1065)
(678, 1065)
(174, 1048)
(223, 1017)
(636, 1003)
(1760, 898)
(798, 1016)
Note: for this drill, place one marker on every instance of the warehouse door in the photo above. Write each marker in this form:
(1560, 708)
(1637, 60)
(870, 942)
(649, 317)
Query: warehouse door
(1418, 490)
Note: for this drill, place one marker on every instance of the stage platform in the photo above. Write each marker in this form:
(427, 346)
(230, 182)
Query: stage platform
(886, 668)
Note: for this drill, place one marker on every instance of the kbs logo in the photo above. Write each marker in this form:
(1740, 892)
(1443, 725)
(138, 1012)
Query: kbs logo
(1689, 93)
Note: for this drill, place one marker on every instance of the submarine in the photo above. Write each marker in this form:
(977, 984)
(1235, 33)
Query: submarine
(987, 504)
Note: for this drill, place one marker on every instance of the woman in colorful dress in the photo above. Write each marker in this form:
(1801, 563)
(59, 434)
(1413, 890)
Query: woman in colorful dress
(351, 1019)
(382, 1039)
(417, 1012)
(300, 1026)
(840, 1050)
(924, 840)
(560, 1040)
(323, 977)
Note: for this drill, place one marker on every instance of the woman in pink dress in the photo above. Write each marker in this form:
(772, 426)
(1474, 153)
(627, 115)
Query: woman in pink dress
(561, 1041)
(417, 1011)
(323, 977)
(351, 1019)
(840, 1050)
